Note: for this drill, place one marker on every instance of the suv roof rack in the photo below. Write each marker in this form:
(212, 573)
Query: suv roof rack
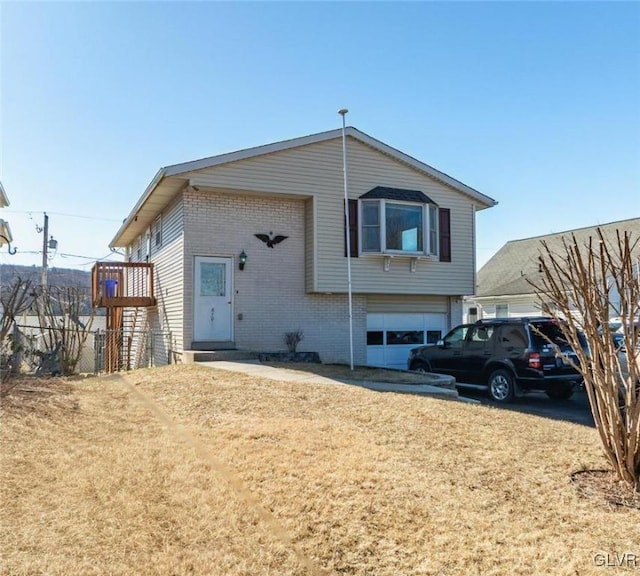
(515, 319)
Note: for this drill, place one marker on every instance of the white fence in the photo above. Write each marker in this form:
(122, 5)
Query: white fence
(138, 350)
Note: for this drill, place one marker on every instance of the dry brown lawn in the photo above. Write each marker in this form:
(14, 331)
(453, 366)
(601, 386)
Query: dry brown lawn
(190, 470)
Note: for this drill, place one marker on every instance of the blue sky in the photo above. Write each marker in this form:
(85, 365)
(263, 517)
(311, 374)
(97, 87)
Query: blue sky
(534, 104)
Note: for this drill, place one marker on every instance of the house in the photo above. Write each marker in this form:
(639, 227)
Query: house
(504, 288)
(241, 248)
(4, 201)
(5, 231)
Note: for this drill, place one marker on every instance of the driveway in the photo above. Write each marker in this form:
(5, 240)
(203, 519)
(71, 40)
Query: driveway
(576, 409)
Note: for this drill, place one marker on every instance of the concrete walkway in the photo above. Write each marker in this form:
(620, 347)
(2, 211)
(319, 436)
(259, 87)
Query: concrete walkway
(254, 368)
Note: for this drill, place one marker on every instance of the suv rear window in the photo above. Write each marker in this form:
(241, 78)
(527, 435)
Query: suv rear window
(541, 331)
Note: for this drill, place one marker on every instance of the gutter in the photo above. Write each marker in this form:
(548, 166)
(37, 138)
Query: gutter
(134, 212)
(521, 295)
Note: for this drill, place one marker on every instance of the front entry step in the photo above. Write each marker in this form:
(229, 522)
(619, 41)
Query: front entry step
(193, 356)
(211, 345)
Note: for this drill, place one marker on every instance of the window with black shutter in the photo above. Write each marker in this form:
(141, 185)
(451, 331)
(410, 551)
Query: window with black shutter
(399, 222)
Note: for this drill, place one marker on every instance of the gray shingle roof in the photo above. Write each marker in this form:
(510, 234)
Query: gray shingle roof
(509, 270)
(397, 194)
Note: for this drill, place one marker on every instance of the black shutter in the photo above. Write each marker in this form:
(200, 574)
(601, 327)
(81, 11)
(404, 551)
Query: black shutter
(444, 217)
(352, 229)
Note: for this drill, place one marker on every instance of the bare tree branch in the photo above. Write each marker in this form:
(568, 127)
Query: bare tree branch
(581, 287)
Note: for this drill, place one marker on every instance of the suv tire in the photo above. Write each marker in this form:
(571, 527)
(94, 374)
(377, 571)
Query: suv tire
(502, 386)
(560, 393)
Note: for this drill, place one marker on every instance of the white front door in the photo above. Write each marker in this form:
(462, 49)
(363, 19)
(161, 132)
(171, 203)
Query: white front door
(212, 299)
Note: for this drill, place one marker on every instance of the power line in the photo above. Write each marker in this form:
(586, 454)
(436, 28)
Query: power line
(30, 212)
(64, 255)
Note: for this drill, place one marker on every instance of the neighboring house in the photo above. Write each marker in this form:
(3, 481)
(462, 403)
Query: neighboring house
(5, 231)
(412, 235)
(4, 201)
(504, 288)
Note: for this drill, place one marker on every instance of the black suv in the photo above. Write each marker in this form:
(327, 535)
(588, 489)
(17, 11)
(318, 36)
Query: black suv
(509, 356)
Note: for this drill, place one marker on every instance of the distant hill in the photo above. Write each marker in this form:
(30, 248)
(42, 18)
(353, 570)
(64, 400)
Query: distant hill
(57, 277)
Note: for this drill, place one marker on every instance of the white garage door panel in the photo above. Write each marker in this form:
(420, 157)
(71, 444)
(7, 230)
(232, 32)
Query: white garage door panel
(389, 328)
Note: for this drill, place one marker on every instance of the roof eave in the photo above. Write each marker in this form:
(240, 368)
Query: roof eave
(484, 200)
(519, 295)
(147, 193)
(209, 162)
(177, 169)
(4, 200)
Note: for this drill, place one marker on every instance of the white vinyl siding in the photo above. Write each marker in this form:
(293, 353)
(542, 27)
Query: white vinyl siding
(316, 170)
(381, 303)
(516, 308)
(168, 269)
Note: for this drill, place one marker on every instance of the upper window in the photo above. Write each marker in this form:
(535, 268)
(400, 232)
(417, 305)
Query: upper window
(397, 221)
(502, 310)
(156, 232)
(401, 227)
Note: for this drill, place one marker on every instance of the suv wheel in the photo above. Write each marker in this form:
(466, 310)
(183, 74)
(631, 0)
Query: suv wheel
(502, 386)
(561, 392)
(421, 367)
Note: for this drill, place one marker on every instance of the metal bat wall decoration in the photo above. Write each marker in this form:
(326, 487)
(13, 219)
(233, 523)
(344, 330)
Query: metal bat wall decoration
(271, 240)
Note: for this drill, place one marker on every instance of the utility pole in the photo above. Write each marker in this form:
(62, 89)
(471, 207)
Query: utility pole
(45, 244)
(48, 242)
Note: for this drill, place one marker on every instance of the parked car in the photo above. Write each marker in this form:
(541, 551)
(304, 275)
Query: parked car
(617, 337)
(509, 356)
(618, 341)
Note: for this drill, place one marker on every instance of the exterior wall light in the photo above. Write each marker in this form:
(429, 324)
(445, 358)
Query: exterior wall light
(242, 259)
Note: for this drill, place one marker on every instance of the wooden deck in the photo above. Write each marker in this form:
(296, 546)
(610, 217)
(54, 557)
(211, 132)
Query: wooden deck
(122, 285)
(116, 286)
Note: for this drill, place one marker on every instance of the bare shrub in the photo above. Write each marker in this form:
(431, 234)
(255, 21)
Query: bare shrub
(14, 300)
(63, 332)
(292, 339)
(584, 286)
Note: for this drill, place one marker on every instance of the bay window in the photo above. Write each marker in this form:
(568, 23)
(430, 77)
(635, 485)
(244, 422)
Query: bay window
(389, 226)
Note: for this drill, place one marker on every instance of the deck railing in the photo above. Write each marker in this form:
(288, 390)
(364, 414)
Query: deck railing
(122, 284)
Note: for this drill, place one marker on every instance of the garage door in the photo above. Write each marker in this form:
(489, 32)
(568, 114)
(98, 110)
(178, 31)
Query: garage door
(391, 336)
